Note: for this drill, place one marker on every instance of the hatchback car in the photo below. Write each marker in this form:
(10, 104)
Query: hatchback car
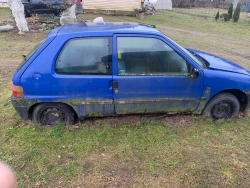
(102, 69)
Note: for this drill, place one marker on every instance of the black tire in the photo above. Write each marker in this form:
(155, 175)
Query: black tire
(53, 113)
(222, 106)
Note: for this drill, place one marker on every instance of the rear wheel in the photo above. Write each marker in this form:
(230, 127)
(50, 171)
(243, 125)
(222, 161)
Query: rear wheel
(53, 113)
(223, 105)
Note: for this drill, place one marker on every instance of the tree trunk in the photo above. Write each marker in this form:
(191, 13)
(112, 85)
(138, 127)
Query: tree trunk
(17, 9)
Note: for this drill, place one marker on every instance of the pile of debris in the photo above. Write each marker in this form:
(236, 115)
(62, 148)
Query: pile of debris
(147, 8)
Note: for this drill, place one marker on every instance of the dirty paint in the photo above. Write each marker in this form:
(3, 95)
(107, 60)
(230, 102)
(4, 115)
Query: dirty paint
(22, 106)
(154, 105)
(23, 102)
(204, 99)
(95, 110)
(90, 101)
(93, 107)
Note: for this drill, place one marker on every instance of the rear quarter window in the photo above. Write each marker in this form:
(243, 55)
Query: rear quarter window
(28, 56)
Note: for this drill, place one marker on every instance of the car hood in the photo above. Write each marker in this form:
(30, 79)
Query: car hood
(219, 63)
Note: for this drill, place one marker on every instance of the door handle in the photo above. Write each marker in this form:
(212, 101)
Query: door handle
(115, 86)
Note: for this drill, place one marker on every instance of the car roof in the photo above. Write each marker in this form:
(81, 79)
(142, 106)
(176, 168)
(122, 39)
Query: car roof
(105, 27)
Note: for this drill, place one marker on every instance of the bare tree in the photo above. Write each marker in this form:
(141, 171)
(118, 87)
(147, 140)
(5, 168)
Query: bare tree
(17, 9)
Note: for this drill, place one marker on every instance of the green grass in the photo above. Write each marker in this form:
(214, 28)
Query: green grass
(135, 150)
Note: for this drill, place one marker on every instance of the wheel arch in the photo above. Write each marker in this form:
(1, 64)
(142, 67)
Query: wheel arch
(239, 94)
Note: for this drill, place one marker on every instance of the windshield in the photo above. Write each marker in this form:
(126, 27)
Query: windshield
(197, 60)
(26, 57)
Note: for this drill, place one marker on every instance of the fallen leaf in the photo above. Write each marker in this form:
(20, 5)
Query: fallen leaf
(72, 127)
(22, 166)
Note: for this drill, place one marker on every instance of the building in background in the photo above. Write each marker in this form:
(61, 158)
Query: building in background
(111, 6)
(4, 3)
(163, 4)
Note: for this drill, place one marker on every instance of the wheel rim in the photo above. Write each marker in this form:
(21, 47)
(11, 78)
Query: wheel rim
(52, 116)
(223, 109)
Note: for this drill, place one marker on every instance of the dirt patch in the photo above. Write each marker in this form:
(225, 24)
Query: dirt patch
(116, 121)
(180, 120)
(118, 177)
(242, 115)
(89, 165)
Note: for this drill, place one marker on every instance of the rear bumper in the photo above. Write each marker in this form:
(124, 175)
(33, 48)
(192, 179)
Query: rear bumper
(22, 106)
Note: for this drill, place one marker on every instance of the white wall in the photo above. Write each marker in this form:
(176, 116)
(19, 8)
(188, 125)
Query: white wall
(163, 4)
(119, 5)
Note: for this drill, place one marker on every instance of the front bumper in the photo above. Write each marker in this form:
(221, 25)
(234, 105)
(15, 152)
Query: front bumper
(22, 106)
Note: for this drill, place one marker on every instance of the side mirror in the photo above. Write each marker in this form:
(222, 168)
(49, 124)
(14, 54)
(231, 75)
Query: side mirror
(194, 73)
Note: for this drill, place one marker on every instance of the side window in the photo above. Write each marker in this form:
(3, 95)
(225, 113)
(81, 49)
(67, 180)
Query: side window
(148, 56)
(85, 56)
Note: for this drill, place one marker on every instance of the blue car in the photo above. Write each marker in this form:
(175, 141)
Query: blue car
(104, 69)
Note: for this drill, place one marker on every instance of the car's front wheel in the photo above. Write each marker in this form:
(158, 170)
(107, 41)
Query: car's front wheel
(222, 106)
(53, 113)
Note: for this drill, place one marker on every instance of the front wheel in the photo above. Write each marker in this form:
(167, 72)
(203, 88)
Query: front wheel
(53, 113)
(222, 106)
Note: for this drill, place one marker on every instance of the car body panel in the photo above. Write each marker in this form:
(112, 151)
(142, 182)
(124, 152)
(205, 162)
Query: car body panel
(216, 81)
(219, 63)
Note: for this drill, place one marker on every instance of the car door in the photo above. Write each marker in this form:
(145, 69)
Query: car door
(153, 75)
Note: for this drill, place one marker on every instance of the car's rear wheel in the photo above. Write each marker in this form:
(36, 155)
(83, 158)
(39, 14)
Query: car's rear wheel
(222, 106)
(53, 113)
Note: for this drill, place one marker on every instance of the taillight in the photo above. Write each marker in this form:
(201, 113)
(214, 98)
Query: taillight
(17, 91)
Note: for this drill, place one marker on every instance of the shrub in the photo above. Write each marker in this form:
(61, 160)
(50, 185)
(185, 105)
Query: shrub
(230, 11)
(217, 16)
(224, 17)
(236, 14)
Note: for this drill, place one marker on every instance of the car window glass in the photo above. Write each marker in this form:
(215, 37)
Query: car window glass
(28, 56)
(197, 60)
(85, 56)
(148, 56)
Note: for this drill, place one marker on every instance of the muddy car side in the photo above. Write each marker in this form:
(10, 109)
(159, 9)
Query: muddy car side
(87, 70)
